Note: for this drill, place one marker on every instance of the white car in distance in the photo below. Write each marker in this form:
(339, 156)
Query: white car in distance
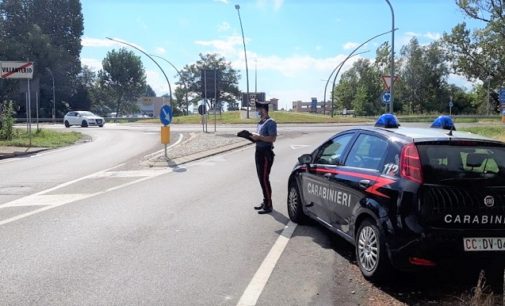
(83, 118)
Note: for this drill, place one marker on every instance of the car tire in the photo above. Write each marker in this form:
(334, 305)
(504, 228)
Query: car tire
(67, 125)
(84, 123)
(371, 254)
(295, 205)
(101, 125)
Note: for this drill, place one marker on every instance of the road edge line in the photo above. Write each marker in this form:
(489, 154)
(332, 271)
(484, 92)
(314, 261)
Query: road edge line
(258, 282)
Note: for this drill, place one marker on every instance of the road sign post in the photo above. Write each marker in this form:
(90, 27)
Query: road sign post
(501, 98)
(166, 115)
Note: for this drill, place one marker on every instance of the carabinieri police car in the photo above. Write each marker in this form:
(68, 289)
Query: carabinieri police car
(405, 197)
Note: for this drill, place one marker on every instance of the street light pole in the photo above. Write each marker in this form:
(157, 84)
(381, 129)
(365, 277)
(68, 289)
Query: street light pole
(180, 74)
(136, 48)
(345, 60)
(54, 96)
(237, 7)
(391, 90)
(329, 78)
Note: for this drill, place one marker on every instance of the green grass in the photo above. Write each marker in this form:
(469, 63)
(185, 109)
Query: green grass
(42, 138)
(496, 132)
(280, 117)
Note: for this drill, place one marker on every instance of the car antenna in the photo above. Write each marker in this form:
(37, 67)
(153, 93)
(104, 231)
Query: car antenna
(452, 129)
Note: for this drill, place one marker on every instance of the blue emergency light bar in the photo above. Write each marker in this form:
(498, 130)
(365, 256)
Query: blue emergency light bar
(444, 122)
(387, 121)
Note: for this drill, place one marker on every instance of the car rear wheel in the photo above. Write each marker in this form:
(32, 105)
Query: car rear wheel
(295, 208)
(67, 124)
(101, 125)
(371, 252)
(84, 123)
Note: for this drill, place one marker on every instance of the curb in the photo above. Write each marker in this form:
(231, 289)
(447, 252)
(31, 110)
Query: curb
(21, 153)
(196, 156)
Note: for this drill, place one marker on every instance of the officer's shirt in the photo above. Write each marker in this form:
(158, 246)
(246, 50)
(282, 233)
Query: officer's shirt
(266, 127)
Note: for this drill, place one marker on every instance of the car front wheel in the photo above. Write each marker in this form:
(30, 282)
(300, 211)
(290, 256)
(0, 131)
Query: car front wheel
(295, 208)
(67, 125)
(371, 252)
(84, 123)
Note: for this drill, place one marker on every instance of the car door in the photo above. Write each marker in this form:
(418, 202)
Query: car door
(315, 181)
(357, 178)
(73, 118)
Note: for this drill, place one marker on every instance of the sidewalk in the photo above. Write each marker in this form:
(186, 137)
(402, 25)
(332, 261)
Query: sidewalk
(195, 146)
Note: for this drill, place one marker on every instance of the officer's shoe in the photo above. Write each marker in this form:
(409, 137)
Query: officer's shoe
(265, 210)
(259, 206)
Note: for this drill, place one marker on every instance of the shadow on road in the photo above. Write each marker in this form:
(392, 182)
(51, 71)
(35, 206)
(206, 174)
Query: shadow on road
(450, 284)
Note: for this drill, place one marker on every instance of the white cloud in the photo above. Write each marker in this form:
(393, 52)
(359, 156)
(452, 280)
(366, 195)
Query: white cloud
(276, 4)
(223, 27)
(226, 47)
(222, 1)
(160, 51)
(461, 81)
(97, 42)
(433, 36)
(350, 45)
(430, 36)
(93, 63)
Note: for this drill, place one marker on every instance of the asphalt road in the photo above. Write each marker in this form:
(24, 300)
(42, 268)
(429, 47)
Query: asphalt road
(186, 235)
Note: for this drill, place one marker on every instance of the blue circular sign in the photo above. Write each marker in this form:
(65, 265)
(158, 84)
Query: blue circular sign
(166, 114)
(451, 104)
(386, 97)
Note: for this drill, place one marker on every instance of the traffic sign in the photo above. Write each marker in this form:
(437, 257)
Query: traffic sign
(166, 114)
(202, 109)
(451, 104)
(501, 95)
(386, 97)
(16, 70)
(387, 79)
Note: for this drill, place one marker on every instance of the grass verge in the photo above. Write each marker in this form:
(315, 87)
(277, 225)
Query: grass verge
(496, 132)
(280, 117)
(42, 138)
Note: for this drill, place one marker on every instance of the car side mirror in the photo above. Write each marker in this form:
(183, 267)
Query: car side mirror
(305, 159)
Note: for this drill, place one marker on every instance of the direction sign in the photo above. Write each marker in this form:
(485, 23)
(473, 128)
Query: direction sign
(166, 114)
(386, 97)
(16, 70)
(501, 95)
(451, 104)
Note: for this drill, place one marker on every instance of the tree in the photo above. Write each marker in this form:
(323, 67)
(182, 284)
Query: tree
(228, 84)
(123, 78)
(82, 99)
(47, 32)
(480, 53)
(150, 92)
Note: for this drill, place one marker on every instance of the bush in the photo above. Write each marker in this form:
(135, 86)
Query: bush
(6, 121)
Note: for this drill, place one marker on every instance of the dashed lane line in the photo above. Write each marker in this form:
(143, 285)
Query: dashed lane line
(260, 278)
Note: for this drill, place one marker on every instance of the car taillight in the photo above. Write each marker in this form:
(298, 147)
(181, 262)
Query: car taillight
(410, 164)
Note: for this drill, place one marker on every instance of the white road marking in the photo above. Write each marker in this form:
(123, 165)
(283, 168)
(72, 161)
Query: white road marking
(260, 278)
(296, 147)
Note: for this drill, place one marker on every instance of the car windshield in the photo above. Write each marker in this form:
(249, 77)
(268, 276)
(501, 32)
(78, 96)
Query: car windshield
(86, 114)
(446, 163)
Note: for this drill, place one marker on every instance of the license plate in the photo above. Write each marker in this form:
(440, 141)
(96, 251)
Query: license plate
(484, 244)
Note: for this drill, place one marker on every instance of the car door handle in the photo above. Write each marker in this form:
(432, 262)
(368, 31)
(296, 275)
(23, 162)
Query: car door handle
(364, 184)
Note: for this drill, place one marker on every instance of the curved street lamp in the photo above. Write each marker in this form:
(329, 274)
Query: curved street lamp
(392, 56)
(329, 78)
(136, 48)
(185, 81)
(345, 60)
(237, 7)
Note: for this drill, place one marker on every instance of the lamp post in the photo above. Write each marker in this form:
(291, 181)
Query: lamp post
(392, 56)
(329, 78)
(237, 7)
(180, 74)
(136, 48)
(345, 60)
(54, 95)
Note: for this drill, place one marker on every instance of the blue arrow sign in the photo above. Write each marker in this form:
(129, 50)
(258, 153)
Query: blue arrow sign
(386, 97)
(166, 114)
(501, 95)
(451, 104)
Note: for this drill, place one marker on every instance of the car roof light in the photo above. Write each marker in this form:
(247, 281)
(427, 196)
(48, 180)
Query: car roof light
(387, 121)
(443, 122)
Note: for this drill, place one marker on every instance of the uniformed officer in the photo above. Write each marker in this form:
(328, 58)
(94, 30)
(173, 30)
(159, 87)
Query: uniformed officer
(264, 137)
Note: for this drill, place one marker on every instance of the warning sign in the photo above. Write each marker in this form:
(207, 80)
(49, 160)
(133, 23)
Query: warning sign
(16, 70)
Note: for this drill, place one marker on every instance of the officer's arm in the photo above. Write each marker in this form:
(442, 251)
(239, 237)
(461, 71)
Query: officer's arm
(270, 139)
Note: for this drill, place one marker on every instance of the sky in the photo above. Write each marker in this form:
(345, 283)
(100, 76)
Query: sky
(292, 45)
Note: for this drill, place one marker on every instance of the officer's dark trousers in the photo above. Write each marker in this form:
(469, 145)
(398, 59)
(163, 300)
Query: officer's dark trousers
(264, 161)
